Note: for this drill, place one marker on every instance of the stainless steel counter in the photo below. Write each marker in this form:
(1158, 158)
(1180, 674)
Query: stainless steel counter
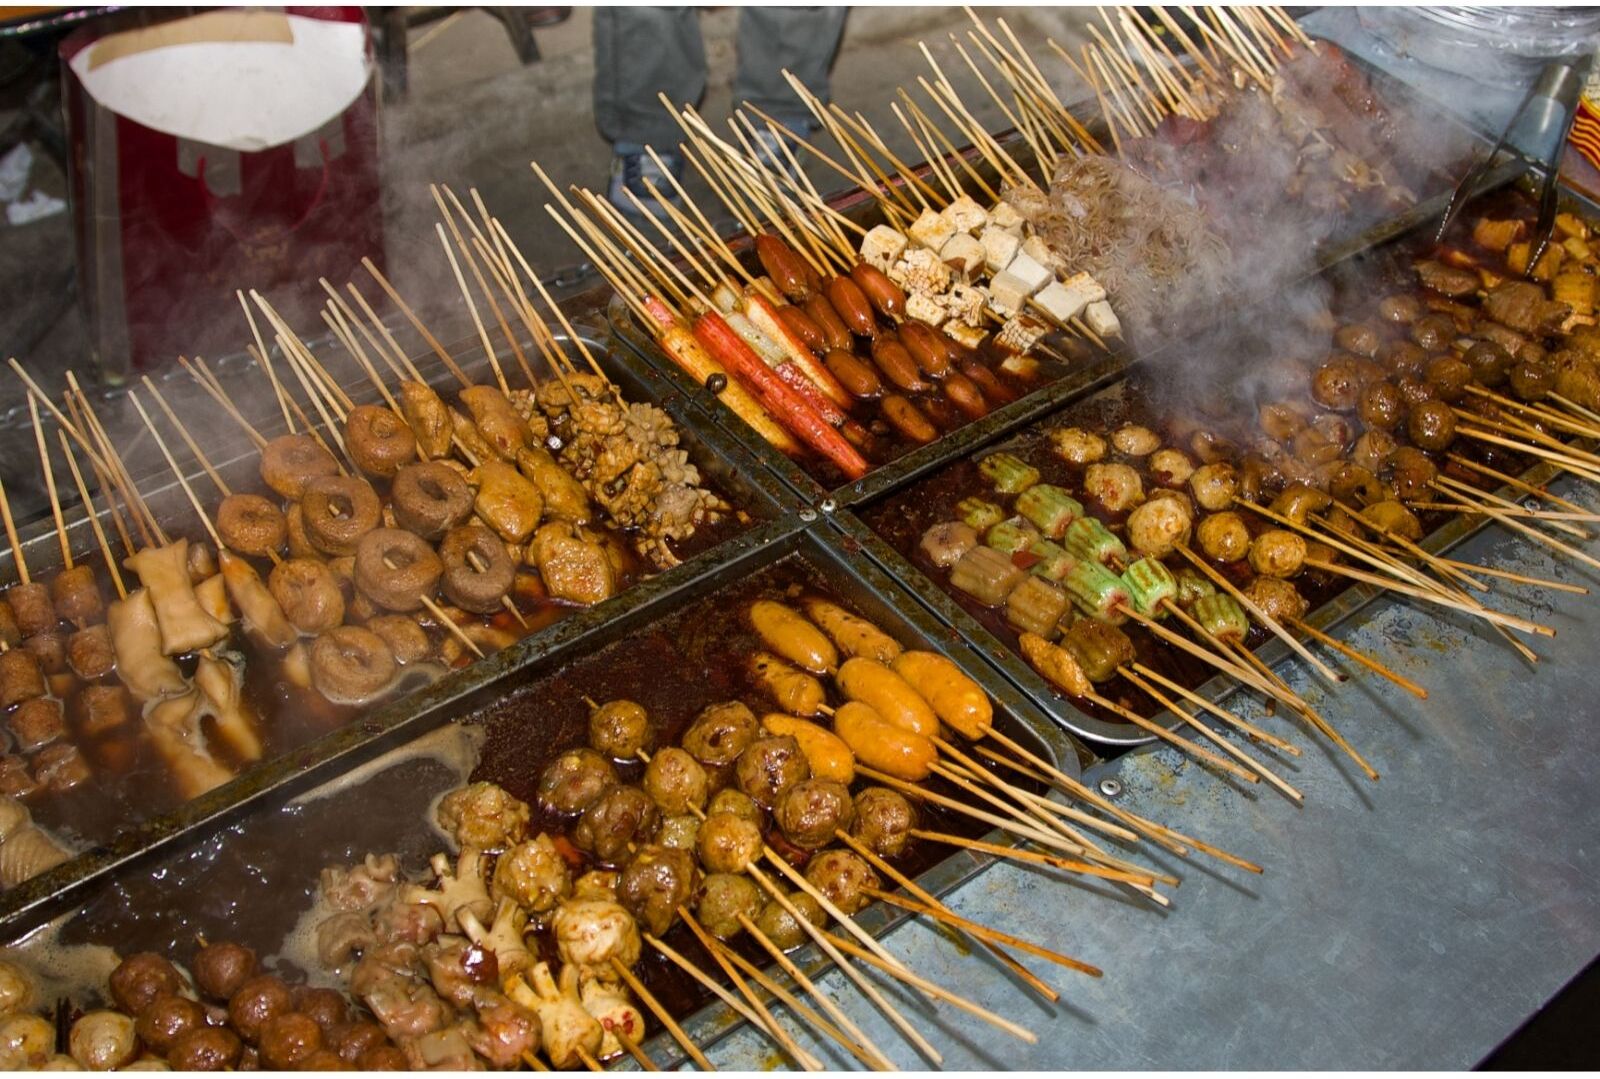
(1410, 923)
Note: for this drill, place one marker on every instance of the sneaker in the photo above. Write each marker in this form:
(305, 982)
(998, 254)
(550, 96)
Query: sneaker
(630, 170)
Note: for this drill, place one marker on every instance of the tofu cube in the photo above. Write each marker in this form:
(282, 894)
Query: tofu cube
(970, 336)
(922, 271)
(1102, 320)
(1008, 292)
(1027, 269)
(963, 254)
(931, 230)
(967, 216)
(881, 246)
(1005, 216)
(926, 308)
(1060, 302)
(1088, 287)
(1036, 249)
(966, 302)
(999, 248)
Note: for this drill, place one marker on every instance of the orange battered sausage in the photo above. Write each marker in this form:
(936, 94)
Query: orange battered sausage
(879, 744)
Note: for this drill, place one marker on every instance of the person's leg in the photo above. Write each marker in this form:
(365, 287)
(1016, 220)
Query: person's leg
(803, 40)
(640, 52)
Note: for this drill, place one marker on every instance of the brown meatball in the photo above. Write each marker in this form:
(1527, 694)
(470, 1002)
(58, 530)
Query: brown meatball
(1411, 471)
(288, 1039)
(325, 1060)
(327, 1006)
(574, 780)
(1394, 517)
(1278, 553)
(206, 1049)
(166, 1019)
(1414, 391)
(257, 1001)
(221, 968)
(140, 979)
(1224, 536)
(735, 801)
(1352, 483)
(811, 811)
(720, 733)
(621, 816)
(1432, 425)
(1358, 338)
(1490, 364)
(353, 1039)
(383, 1058)
(1372, 449)
(884, 819)
(618, 729)
(1532, 380)
(675, 781)
(31, 604)
(1336, 385)
(1433, 332)
(728, 843)
(655, 883)
(840, 875)
(1277, 597)
(1448, 376)
(1381, 405)
(484, 815)
(770, 766)
(723, 898)
(1214, 485)
(76, 596)
(1405, 358)
(780, 927)
(1399, 308)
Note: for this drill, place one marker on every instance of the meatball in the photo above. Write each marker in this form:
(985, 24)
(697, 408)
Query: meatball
(1414, 391)
(352, 1039)
(1299, 499)
(1372, 449)
(1224, 537)
(1401, 307)
(676, 781)
(207, 1049)
(1448, 377)
(1531, 379)
(1170, 467)
(1405, 358)
(533, 874)
(1381, 406)
(655, 883)
(1432, 425)
(1433, 331)
(288, 1039)
(840, 875)
(618, 729)
(140, 978)
(735, 801)
(621, 816)
(1116, 487)
(258, 1000)
(1352, 483)
(1277, 597)
(884, 819)
(720, 733)
(723, 898)
(574, 780)
(167, 1019)
(16, 989)
(679, 833)
(1490, 363)
(1411, 472)
(25, 1041)
(1135, 441)
(1358, 338)
(1337, 385)
(770, 766)
(1159, 526)
(327, 1006)
(1278, 553)
(780, 926)
(1393, 517)
(103, 1041)
(728, 843)
(1077, 446)
(812, 810)
(221, 968)
(1214, 485)
(483, 815)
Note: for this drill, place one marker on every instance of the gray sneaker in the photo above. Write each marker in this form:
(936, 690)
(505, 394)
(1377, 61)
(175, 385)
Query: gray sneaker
(629, 172)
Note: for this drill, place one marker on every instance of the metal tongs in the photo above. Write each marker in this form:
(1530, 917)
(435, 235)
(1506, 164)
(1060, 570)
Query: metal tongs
(1538, 132)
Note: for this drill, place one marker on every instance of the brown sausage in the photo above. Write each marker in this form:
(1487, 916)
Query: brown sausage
(851, 303)
(857, 377)
(801, 325)
(965, 395)
(786, 268)
(829, 322)
(896, 364)
(922, 341)
(992, 387)
(908, 419)
(885, 295)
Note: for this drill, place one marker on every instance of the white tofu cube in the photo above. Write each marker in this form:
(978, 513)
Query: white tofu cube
(963, 254)
(1086, 286)
(966, 302)
(1060, 302)
(881, 246)
(923, 271)
(970, 336)
(926, 308)
(966, 215)
(1005, 216)
(1028, 270)
(1036, 249)
(1102, 320)
(1008, 292)
(999, 248)
(931, 230)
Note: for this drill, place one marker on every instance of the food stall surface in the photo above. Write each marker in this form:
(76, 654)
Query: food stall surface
(1411, 923)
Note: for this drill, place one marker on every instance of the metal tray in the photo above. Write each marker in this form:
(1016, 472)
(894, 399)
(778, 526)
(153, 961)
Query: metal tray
(185, 869)
(1344, 605)
(771, 507)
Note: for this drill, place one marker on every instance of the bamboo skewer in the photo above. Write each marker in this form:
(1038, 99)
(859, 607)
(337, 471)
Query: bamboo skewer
(1366, 661)
(50, 483)
(104, 483)
(1515, 525)
(1243, 726)
(1020, 854)
(416, 323)
(982, 773)
(93, 517)
(997, 936)
(11, 534)
(662, 1014)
